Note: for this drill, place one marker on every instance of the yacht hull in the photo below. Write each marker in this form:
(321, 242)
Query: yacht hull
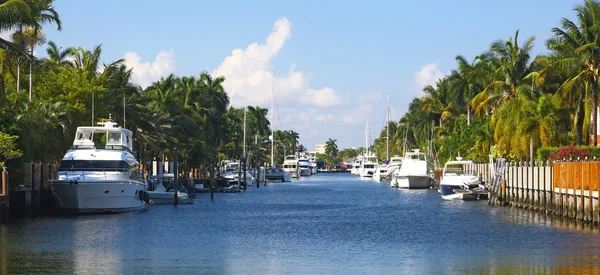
(367, 173)
(99, 197)
(413, 182)
(305, 172)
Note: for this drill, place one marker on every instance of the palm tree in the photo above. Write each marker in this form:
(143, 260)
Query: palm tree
(464, 84)
(331, 148)
(58, 57)
(582, 38)
(438, 100)
(42, 12)
(512, 66)
(12, 14)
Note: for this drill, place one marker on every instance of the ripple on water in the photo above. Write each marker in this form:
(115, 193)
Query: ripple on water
(319, 225)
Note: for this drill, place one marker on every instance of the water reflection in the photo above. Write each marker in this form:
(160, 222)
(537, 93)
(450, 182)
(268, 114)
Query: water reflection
(321, 225)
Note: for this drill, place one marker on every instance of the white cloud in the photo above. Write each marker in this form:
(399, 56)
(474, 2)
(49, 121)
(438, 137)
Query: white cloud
(325, 97)
(145, 72)
(252, 66)
(428, 75)
(366, 103)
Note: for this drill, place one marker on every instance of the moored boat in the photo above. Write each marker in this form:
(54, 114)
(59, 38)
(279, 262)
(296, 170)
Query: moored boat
(99, 172)
(460, 181)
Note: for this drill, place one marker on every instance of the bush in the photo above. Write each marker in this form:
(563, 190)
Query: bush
(544, 152)
(569, 152)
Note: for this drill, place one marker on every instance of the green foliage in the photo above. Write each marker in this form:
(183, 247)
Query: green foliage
(8, 148)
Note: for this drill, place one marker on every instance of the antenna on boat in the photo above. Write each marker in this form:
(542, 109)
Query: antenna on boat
(124, 110)
(92, 108)
(272, 112)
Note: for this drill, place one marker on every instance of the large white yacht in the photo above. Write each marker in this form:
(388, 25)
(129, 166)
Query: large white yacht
(99, 173)
(304, 166)
(368, 166)
(413, 173)
(356, 165)
(290, 165)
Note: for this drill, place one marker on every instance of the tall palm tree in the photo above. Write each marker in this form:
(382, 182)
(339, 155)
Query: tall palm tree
(42, 12)
(582, 38)
(438, 100)
(512, 66)
(464, 82)
(12, 14)
(56, 56)
(331, 148)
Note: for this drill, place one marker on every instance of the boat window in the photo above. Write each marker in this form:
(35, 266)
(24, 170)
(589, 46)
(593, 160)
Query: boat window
(93, 164)
(114, 138)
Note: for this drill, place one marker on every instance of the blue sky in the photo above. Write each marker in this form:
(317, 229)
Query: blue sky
(334, 60)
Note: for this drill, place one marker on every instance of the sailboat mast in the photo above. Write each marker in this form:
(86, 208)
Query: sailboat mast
(272, 113)
(124, 110)
(387, 128)
(245, 111)
(367, 138)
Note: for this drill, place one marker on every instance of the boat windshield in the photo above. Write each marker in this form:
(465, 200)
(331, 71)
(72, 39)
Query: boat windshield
(459, 171)
(93, 164)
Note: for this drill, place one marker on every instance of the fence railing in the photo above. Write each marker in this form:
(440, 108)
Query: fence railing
(566, 189)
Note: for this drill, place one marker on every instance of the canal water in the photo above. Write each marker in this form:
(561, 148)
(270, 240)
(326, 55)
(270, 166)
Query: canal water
(324, 224)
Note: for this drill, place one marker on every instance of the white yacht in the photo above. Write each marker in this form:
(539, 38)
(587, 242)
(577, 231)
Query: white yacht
(304, 167)
(393, 165)
(290, 165)
(356, 165)
(413, 172)
(368, 166)
(313, 164)
(460, 181)
(99, 173)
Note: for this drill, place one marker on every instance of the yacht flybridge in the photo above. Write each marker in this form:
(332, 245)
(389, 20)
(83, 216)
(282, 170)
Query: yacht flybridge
(99, 173)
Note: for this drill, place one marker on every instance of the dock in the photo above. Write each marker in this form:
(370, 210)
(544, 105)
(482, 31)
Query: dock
(567, 189)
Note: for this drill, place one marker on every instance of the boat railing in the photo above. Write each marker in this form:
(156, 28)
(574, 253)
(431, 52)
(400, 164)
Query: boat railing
(127, 174)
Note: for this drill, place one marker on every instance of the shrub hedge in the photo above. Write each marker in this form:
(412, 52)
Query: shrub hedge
(544, 152)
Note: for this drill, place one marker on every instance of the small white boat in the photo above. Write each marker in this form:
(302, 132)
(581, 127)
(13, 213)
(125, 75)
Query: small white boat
(99, 173)
(413, 172)
(313, 164)
(161, 196)
(460, 181)
(385, 171)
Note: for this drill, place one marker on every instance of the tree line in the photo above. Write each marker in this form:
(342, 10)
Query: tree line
(507, 102)
(43, 101)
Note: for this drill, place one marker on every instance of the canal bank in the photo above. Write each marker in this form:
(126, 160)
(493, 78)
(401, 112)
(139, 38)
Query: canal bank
(324, 224)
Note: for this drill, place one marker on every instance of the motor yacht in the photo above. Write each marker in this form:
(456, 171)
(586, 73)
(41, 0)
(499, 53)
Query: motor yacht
(413, 172)
(99, 172)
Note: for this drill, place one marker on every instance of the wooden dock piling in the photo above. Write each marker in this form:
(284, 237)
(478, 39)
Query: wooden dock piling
(4, 200)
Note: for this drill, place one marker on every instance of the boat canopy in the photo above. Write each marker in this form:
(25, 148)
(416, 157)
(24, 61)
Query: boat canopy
(116, 137)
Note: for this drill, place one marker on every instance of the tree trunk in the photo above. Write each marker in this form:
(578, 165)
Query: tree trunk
(580, 116)
(468, 114)
(31, 76)
(212, 180)
(594, 116)
(3, 99)
(18, 74)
